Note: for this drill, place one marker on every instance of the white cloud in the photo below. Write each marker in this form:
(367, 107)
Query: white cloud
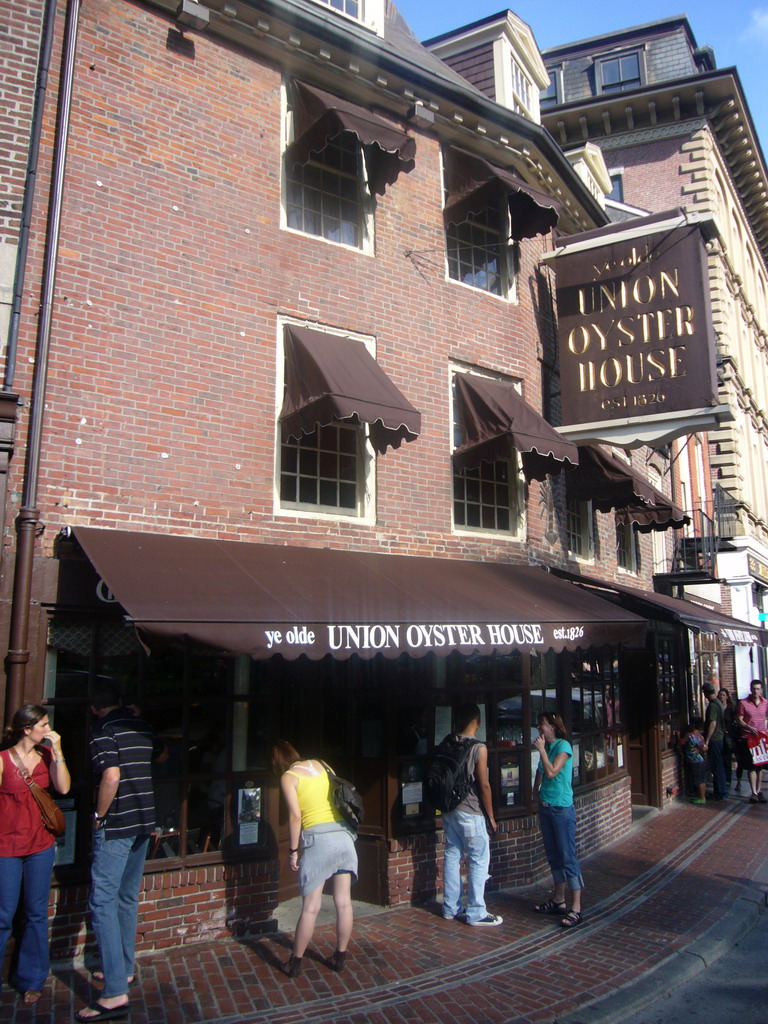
(758, 27)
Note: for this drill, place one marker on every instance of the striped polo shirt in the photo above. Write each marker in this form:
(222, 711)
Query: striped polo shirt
(121, 740)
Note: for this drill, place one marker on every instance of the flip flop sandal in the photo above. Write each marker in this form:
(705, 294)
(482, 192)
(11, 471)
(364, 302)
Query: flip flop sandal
(104, 1013)
(572, 919)
(550, 907)
(30, 997)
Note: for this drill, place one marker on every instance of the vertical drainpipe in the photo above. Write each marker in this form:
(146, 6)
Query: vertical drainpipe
(43, 67)
(29, 514)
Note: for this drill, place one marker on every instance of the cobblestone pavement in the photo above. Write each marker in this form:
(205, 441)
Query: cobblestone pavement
(659, 904)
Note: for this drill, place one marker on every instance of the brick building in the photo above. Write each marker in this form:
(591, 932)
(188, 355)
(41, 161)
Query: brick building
(282, 461)
(676, 130)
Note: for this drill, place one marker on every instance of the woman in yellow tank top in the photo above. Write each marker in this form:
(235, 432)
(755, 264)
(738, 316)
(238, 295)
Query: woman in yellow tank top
(321, 846)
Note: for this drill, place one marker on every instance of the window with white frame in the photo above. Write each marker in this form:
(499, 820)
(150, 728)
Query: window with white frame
(370, 13)
(522, 90)
(326, 196)
(579, 528)
(627, 547)
(490, 497)
(328, 470)
(352, 8)
(322, 470)
(480, 253)
(619, 73)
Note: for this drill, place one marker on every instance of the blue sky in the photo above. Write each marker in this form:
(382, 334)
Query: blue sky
(737, 31)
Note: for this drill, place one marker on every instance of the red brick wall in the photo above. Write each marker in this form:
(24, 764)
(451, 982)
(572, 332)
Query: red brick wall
(173, 271)
(20, 26)
(652, 177)
(176, 908)
(603, 815)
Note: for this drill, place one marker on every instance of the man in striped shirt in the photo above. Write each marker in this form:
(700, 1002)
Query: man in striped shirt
(122, 749)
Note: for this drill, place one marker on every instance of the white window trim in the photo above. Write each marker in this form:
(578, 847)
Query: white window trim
(634, 569)
(367, 201)
(588, 535)
(508, 257)
(372, 16)
(517, 480)
(367, 514)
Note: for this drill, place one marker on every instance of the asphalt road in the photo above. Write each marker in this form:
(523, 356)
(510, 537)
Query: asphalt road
(733, 991)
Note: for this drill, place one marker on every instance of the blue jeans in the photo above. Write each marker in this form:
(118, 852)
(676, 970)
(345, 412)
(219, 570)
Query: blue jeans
(717, 767)
(465, 834)
(558, 830)
(34, 960)
(116, 872)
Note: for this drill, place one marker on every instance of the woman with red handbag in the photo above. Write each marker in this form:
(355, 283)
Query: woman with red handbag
(27, 848)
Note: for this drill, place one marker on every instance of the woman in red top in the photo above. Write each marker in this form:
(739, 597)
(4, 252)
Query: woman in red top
(26, 846)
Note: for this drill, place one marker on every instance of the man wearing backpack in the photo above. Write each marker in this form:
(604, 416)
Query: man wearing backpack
(466, 832)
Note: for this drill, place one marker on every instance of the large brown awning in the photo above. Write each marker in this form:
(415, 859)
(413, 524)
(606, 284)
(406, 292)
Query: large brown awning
(495, 418)
(328, 377)
(318, 117)
(471, 182)
(610, 483)
(262, 600)
(660, 606)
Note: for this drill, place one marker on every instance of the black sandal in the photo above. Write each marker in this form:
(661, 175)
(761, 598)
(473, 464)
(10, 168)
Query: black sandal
(551, 907)
(572, 919)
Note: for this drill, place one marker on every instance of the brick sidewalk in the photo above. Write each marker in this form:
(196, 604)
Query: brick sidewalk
(647, 897)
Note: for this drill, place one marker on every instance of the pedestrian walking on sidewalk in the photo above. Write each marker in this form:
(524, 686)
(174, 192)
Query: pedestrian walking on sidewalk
(466, 830)
(752, 712)
(713, 741)
(321, 846)
(557, 818)
(27, 847)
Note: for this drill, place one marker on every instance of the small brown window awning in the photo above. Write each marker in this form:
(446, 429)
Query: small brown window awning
(660, 606)
(610, 483)
(318, 117)
(263, 600)
(471, 182)
(328, 377)
(494, 418)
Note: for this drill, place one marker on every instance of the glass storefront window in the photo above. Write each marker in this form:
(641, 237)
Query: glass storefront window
(187, 698)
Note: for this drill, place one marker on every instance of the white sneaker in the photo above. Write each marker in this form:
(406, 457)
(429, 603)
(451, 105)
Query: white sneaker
(491, 921)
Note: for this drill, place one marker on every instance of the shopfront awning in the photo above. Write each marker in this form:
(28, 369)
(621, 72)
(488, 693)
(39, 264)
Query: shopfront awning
(471, 182)
(494, 418)
(659, 606)
(610, 483)
(328, 377)
(263, 600)
(318, 117)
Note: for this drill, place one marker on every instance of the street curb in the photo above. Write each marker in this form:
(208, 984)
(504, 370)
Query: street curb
(682, 966)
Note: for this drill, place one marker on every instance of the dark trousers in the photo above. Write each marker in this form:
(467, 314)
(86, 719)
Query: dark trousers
(717, 767)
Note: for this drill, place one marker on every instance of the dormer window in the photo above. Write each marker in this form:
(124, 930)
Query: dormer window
(522, 90)
(351, 7)
(369, 13)
(619, 73)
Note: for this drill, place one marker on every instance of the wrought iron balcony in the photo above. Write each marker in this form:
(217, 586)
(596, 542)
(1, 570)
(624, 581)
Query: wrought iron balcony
(692, 555)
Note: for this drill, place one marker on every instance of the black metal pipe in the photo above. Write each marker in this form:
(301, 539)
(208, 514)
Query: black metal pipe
(43, 67)
(27, 522)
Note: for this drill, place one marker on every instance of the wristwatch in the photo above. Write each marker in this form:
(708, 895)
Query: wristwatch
(97, 821)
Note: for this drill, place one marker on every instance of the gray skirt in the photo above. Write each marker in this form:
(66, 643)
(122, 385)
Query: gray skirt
(325, 850)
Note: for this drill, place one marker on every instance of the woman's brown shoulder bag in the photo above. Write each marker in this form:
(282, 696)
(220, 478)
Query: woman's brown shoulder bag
(50, 812)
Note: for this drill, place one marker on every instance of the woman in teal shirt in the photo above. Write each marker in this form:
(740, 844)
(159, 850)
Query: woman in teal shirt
(557, 818)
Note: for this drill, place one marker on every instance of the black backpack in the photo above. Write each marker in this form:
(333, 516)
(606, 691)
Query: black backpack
(346, 799)
(448, 781)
